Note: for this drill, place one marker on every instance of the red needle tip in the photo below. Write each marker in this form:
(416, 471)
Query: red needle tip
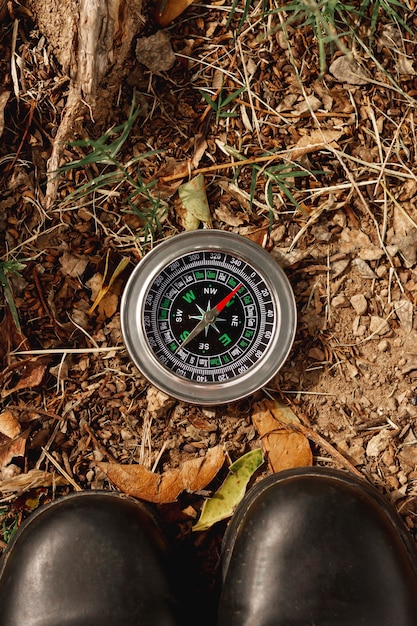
(219, 307)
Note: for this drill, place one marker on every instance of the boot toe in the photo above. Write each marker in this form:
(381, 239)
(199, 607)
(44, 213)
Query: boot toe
(317, 547)
(88, 559)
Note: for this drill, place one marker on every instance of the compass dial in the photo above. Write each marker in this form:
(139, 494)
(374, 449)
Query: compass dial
(208, 317)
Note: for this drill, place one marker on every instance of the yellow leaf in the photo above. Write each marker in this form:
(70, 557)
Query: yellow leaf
(108, 281)
(226, 499)
(168, 10)
(195, 208)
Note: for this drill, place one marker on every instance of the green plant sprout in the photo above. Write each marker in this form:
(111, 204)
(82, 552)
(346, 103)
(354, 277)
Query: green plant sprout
(277, 176)
(220, 104)
(6, 268)
(331, 21)
(104, 152)
(8, 525)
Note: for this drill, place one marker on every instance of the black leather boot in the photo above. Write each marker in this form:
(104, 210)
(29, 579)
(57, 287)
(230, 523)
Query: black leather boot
(89, 559)
(316, 547)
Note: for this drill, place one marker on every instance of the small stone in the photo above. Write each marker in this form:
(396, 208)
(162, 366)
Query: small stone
(404, 312)
(364, 269)
(410, 364)
(358, 329)
(383, 346)
(316, 354)
(378, 443)
(378, 325)
(155, 52)
(381, 271)
(359, 303)
(339, 302)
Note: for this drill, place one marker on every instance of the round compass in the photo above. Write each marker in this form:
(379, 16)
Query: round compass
(208, 317)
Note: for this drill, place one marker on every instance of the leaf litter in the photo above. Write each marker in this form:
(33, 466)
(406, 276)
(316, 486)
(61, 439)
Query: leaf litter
(341, 219)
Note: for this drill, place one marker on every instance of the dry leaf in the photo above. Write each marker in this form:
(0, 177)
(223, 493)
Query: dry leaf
(404, 310)
(33, 478)
(168, 10)
(309, 103)
(138, 481)
(13, 448)
(9, 425)
(227, 497)
(108, 280)
(3, 101)
(316, 140)
(194, 204)
(346, 70)
(285, 449)
(30, 372)
(72, 265)
(170, 177)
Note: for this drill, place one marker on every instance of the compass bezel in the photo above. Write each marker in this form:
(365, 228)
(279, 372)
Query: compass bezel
(135, 337)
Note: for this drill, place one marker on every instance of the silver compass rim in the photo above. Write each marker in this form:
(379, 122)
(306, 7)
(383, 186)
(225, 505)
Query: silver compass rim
(139, 350)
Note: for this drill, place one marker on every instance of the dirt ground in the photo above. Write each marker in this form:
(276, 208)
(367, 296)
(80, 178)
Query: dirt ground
(348, 246)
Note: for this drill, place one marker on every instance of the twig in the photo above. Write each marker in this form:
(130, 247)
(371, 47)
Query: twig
(320, 441)
(61, 470)
(69, 350)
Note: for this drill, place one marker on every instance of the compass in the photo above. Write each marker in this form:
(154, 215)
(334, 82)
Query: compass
(208, 317)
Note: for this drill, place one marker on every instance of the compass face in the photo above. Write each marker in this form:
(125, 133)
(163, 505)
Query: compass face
(208, 317)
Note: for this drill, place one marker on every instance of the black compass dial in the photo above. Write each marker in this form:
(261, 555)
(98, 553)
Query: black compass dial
(228, 342)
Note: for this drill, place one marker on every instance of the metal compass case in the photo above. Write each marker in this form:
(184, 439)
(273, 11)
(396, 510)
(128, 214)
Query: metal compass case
(208, 317)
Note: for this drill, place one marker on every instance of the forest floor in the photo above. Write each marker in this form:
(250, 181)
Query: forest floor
(330, 192)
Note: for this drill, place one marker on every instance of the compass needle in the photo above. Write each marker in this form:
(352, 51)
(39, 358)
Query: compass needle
(167, 317)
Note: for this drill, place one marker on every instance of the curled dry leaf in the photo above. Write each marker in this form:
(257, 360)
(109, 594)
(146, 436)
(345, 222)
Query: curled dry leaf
(9, 425)
(34, 478)
(285, 448)
(315, 141)
(29, 373)
(13, 448)
(168, 10)
(346, 70)
(138, 481)
(194, 208)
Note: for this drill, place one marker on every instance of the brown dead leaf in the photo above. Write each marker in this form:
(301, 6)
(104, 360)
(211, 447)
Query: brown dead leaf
(30, 480)
(170, 177)
(110, 275)
(285, 449)
(138, 481)
(346, 70)
(13, 448)
(315, 141)
(168, 10)
(73, 265)
(3, 101)
(29, 373)
(9, 425)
